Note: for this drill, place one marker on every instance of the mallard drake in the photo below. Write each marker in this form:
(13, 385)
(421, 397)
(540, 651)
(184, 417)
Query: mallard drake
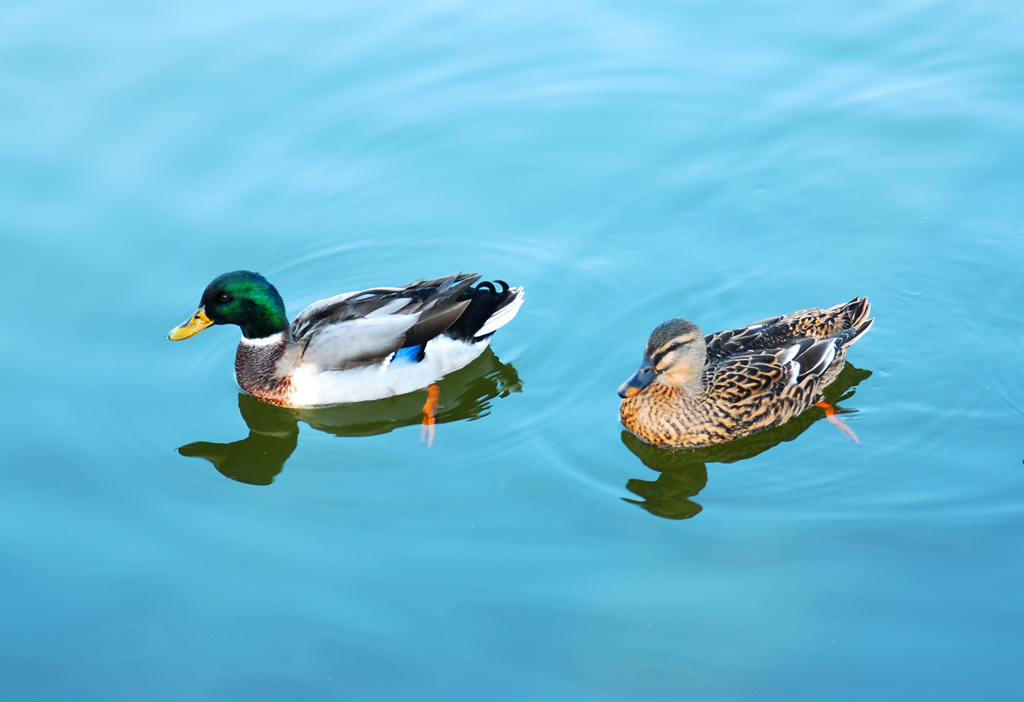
(357, 346)
(693, 390)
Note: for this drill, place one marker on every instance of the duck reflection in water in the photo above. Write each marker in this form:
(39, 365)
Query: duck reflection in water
(683, 472)
(274, 431)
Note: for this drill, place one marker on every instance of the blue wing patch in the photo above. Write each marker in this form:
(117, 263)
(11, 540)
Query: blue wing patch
(413, 354)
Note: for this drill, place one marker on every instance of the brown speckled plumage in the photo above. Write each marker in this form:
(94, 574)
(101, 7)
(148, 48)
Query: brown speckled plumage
(257, 373)
(751, 379)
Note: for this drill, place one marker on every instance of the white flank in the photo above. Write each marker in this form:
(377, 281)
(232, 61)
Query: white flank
(442, 355)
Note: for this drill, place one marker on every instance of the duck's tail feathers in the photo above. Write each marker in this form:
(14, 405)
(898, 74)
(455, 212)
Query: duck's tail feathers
(856, 320)
(859, 331)
(503, 313)
(491, 306)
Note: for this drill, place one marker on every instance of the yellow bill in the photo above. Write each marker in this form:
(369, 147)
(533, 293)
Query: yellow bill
(195, 324)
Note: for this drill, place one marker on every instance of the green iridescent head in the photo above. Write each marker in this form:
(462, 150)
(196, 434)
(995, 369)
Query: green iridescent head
(243, 298)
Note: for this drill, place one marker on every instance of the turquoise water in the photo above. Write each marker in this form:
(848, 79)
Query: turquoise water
(626, 162)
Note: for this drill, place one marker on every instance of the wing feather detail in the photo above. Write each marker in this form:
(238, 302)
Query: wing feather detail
(369, 326)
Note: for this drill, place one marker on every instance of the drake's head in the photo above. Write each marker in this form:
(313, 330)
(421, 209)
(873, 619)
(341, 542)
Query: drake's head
(241, 297)
(675, 356)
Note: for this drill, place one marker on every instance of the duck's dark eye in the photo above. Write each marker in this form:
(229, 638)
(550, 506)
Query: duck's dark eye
(660, 356)
(224, 298)
(674, 346)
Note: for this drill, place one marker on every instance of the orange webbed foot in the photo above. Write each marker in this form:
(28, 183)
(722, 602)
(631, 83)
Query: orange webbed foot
(832, 415)
(429, 409)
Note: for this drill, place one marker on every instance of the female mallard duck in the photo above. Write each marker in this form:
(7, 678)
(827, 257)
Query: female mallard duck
(694, 390)
(357, 346)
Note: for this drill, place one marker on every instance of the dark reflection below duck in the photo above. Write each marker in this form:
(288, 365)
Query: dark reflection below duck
(684, 473)
(274, 431)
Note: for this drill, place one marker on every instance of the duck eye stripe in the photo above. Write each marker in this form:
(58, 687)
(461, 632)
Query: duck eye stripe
(660, 354)
(674, 345)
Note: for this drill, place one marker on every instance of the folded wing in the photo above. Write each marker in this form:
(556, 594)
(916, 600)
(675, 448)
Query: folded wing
(368, 326)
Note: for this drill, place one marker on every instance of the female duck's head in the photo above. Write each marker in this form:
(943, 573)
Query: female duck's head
(243, 298)
(675, 355)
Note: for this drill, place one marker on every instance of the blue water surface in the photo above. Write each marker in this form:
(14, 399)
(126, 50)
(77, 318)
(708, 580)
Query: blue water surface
(626, 162)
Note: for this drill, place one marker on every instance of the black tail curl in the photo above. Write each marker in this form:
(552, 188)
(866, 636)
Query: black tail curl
(484, 299)
(487, 285)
